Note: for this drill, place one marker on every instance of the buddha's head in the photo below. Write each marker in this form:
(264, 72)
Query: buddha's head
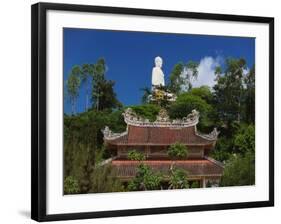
(158, 62)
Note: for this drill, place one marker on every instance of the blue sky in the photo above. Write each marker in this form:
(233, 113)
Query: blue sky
(130, 57)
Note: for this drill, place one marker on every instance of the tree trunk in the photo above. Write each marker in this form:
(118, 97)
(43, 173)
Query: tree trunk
(72, 106)
(87, 96)
(97, 103)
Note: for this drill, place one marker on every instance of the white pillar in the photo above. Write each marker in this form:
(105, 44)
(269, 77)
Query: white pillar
(204, 182)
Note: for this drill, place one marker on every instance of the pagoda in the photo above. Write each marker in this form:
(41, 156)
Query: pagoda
(153, 139)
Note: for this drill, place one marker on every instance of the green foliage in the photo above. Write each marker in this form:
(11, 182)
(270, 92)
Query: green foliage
(70, 185)
(83, 143)
(229, 106)
(239, 170)
(86, 74)
(204, 92)
(187, 102)
(80, 144)
(192, 66)
(229, 91)
(223, 149)
(218, 71)
(104, 179)
(178, 151)
(244, 140)
(250, 96)
(103, 94)
(195, 184)
(241, 141)
(134, 155)
(178, 179)
(175, 78)
(182, 76)
(149, 111)
(145, 179)
(146, 93)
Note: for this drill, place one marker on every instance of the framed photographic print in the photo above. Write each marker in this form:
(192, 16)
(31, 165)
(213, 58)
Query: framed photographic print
(138, 111)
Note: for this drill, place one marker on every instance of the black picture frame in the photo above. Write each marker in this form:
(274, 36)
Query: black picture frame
(39, 122)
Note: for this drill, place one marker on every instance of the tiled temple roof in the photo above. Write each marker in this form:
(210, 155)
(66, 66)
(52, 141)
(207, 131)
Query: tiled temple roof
(194, 168)
(161, 132)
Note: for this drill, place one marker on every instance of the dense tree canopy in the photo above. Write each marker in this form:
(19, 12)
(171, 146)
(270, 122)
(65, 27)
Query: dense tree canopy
(239, 170)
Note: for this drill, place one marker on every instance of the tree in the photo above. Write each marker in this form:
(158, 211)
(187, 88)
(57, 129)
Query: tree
(146, 178)
(86, 73)
(244, 140)
(149, 111)
(182, 76)
(191, 74)
(137, 156)
(240, 167)
(72, 85)
(228, 92)
(98, 78)
(250, 96)
(239, 170)
(175, 78)
(103, 94)
(177, 151)
(223, 149)
(70, 185)
(178, 179)
(204, 92)
(187, 102)
(146, 93)
(104, 179)
(218, 72)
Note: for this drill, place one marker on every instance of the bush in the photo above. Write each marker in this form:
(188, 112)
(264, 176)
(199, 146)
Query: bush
(244, 140)
(239, 170)
(177, 151)
(104, 179)
(187, 102)
(70, 185)
(149, 111)
(178, 179)
(145, 179)
(134, 155)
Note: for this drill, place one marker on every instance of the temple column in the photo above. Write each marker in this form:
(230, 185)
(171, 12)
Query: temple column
(147, 151)
(203, 182)
(118, 153)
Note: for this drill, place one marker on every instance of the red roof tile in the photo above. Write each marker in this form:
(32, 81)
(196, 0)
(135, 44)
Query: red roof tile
(160, 136)
(203, 167)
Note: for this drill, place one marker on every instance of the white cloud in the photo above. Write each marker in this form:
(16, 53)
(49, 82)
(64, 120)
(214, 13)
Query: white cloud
(206, 71)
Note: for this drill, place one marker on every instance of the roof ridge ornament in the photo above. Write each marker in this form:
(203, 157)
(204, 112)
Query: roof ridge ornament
(211, 136)
(163, 116)
(109, 135)
(162, 119)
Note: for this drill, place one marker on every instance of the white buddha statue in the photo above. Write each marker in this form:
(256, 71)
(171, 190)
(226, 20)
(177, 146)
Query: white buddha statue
(158, 81)
(157, 73)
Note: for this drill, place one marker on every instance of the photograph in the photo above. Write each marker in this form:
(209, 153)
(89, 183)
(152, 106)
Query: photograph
(146, 111)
